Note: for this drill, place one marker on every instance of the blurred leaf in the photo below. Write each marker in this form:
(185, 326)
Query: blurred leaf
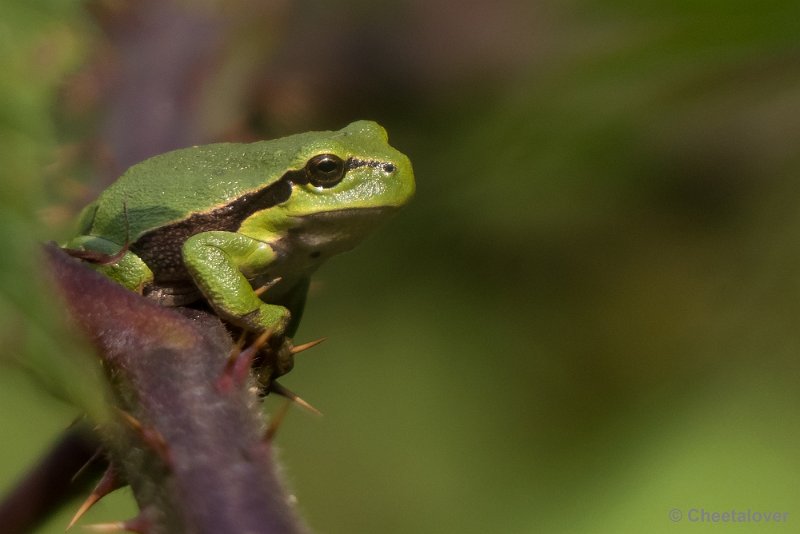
(37, 47)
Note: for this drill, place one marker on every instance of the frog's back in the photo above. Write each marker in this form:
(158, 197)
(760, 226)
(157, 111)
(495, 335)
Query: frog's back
(172, 186)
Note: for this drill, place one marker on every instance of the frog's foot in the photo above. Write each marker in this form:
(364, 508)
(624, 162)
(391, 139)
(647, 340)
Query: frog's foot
(276, 358)
(271, 356)
(95, 256)
(113, 260)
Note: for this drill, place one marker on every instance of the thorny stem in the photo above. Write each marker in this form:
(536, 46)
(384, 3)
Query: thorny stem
(195, 456)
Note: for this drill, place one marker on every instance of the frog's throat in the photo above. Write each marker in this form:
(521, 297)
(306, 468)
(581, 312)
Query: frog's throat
(326, 233)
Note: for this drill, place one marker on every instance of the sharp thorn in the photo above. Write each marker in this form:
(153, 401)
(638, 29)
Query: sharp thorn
(149, 435)
(277, 419)
(106, 527)
(262, 339)
(140, 524)
(305, 346)
(119, 526)
(266, 287)
(241, 367)
(75, 422)
(241, 339)
(88, 503)
(278, 389)
(85, 466)
(108, 483)
(130, 420)
(239, 363)
(236, 350)
(225, 381)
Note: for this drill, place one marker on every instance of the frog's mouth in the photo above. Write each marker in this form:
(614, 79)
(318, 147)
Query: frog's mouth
(372, 213)
(350, 220)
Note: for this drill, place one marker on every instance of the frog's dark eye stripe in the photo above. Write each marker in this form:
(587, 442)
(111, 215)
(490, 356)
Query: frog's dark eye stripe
(354, 163)
(327, 170)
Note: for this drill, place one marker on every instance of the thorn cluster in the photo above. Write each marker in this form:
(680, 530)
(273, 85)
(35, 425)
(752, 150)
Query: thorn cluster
(235, 373)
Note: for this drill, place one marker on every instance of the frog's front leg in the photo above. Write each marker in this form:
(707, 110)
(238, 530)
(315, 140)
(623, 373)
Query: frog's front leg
(215, 261)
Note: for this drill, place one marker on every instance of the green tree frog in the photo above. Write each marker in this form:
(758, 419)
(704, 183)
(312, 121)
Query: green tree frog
(218, 222)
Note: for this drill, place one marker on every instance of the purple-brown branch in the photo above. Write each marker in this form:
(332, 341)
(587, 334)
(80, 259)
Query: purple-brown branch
(193, 453)
(51, 482)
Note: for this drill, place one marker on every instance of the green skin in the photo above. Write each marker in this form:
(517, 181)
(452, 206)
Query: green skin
(219, 221)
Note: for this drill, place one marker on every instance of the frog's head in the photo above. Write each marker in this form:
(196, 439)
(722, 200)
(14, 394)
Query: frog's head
(343, 184)
(350, 169)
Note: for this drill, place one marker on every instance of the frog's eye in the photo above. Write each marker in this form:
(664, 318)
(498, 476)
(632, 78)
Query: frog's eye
(325, 170)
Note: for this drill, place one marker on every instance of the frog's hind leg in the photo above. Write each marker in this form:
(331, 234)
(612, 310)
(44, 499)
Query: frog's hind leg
(113, 260)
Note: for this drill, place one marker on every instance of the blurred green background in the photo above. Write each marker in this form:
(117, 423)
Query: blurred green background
(586, 319)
